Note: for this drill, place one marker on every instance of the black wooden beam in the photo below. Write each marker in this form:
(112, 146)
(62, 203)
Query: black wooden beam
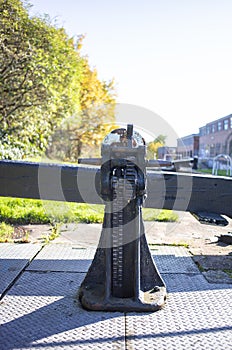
(190, 192)
(49, 181)
(178, 191)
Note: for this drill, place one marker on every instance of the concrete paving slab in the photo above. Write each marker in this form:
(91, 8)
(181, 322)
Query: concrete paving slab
(212, 262)
(217, 276)
(13, 259)
(84, 235)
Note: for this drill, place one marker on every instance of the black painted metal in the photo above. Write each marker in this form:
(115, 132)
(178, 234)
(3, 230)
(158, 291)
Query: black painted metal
(179, 191)
(123, 276)
(226, 238)
(151, 163)
(210, 218)
(95, 292)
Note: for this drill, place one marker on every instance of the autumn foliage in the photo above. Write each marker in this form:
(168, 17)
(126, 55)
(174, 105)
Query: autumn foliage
(47, 88)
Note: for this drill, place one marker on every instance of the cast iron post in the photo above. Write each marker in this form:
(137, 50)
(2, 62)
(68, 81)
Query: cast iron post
(123, 276)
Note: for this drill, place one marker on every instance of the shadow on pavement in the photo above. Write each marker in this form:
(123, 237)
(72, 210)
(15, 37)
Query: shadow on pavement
(42, 310)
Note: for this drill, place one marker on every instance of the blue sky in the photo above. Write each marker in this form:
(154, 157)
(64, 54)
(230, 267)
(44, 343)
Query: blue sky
(169, 57)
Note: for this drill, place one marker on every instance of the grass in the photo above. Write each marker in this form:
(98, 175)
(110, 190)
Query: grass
(180, 244)
(55, 232)
(6, 232)
(16, 211)
(228, 272)
(159, 215)
(209, 171)
(29, 211)
(10, 233)
(200, 267)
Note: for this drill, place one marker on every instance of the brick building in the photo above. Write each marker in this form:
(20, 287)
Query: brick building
(216, 137)
(188, 146)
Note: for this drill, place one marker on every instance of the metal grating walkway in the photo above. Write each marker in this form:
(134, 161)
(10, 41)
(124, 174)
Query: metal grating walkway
(13, 259)
(41, 309)
(63, 257)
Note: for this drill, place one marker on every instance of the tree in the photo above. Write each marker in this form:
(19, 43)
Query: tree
(39, 77)
(152, 147)
(97, 100)
(83, 132)
(44, 81)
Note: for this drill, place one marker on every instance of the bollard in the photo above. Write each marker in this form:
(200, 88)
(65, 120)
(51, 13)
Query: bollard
(123, 276)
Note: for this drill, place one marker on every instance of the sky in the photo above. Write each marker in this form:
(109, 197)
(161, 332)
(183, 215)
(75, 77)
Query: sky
(171, 59)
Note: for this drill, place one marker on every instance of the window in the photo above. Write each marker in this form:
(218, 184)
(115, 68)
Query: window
(218, 148)
(213, 128)
(219, 126)
(203, 130)
(231, 122)
(212, 150)
(208, 130)
(226, 124)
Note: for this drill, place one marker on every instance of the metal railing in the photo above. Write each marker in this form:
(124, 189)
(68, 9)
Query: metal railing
(222, 161)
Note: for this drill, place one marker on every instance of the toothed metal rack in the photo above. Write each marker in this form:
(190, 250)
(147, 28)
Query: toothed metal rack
(123, 276)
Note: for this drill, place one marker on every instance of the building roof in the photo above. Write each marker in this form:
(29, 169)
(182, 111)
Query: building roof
(217, 120)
